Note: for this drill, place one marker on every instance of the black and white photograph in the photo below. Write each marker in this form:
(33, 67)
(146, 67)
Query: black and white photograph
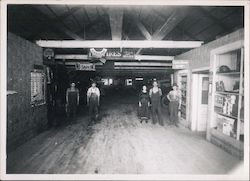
(124, 90)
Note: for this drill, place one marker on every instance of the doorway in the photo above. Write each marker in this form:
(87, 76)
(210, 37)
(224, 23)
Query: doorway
(200, 91)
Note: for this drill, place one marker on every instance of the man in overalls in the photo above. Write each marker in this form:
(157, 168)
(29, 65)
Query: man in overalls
(93, 101)
(72, 100)
(155, 94)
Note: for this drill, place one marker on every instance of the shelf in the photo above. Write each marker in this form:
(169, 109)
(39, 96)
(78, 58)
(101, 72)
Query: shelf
(183, 112)
(229, 73)
(234, 117)
(227, 93)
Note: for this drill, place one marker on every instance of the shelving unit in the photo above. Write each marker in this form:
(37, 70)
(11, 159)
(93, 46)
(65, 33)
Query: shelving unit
(227, 111)
(183, 95)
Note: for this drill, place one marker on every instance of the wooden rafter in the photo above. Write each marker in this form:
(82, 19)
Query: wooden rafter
(70, 12)
(86, 14)
(116, 22)
(213, 18)
(206, 27)
(74, 17)
(142, 29)
(60, 24)
(175, 18)
(190, 35)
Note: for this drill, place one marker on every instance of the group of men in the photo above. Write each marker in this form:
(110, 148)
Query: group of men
(153, 100)
(93, 100)
(146, 99)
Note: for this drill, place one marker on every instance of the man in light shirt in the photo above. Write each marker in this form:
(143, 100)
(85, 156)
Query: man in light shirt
(174, 98)
(93, 101)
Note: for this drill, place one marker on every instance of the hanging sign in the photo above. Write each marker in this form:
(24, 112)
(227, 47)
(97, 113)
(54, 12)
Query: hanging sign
(48, 53)
(85, 66)
(48, 56)
(180, 64)
(128, 53)
(120, 54)
(111, 54)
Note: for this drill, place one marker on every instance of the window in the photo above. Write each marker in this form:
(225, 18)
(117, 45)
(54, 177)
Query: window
(107, 81)
(38, 88)
(204, 93)
(129, 82)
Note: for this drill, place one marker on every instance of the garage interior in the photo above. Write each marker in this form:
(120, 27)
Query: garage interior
(122, 48)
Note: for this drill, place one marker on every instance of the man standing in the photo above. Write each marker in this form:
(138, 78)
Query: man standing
(155, 94)
(72, 100)
(174, 97)
(93, 101)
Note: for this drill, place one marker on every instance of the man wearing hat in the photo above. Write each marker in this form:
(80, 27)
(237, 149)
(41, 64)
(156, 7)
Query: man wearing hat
(174, 98)
(93, 101)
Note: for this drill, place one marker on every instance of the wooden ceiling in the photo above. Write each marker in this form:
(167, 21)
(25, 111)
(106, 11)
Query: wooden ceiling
(85, 22)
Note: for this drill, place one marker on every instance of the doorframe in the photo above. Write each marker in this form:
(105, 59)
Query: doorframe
(195, 80)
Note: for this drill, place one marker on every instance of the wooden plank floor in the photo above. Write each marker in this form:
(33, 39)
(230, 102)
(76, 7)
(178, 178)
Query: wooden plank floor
(119, 144)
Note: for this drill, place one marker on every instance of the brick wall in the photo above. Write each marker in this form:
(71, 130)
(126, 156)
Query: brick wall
(23, 121)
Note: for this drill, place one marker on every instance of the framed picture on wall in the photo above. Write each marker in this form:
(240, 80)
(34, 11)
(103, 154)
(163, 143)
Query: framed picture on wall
(38, 82)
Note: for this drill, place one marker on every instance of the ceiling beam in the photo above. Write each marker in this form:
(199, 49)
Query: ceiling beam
(116, 21)
(137, 57)
(86, 14)
(153, 57)
(139, 64)
(142, 28)
(142, 68)
(118, 44)
(72, 57)
(70, 12)
(73, 15)
(175, 18)
(190, 35)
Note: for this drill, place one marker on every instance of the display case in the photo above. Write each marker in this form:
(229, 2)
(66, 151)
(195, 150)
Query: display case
(227, 109)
